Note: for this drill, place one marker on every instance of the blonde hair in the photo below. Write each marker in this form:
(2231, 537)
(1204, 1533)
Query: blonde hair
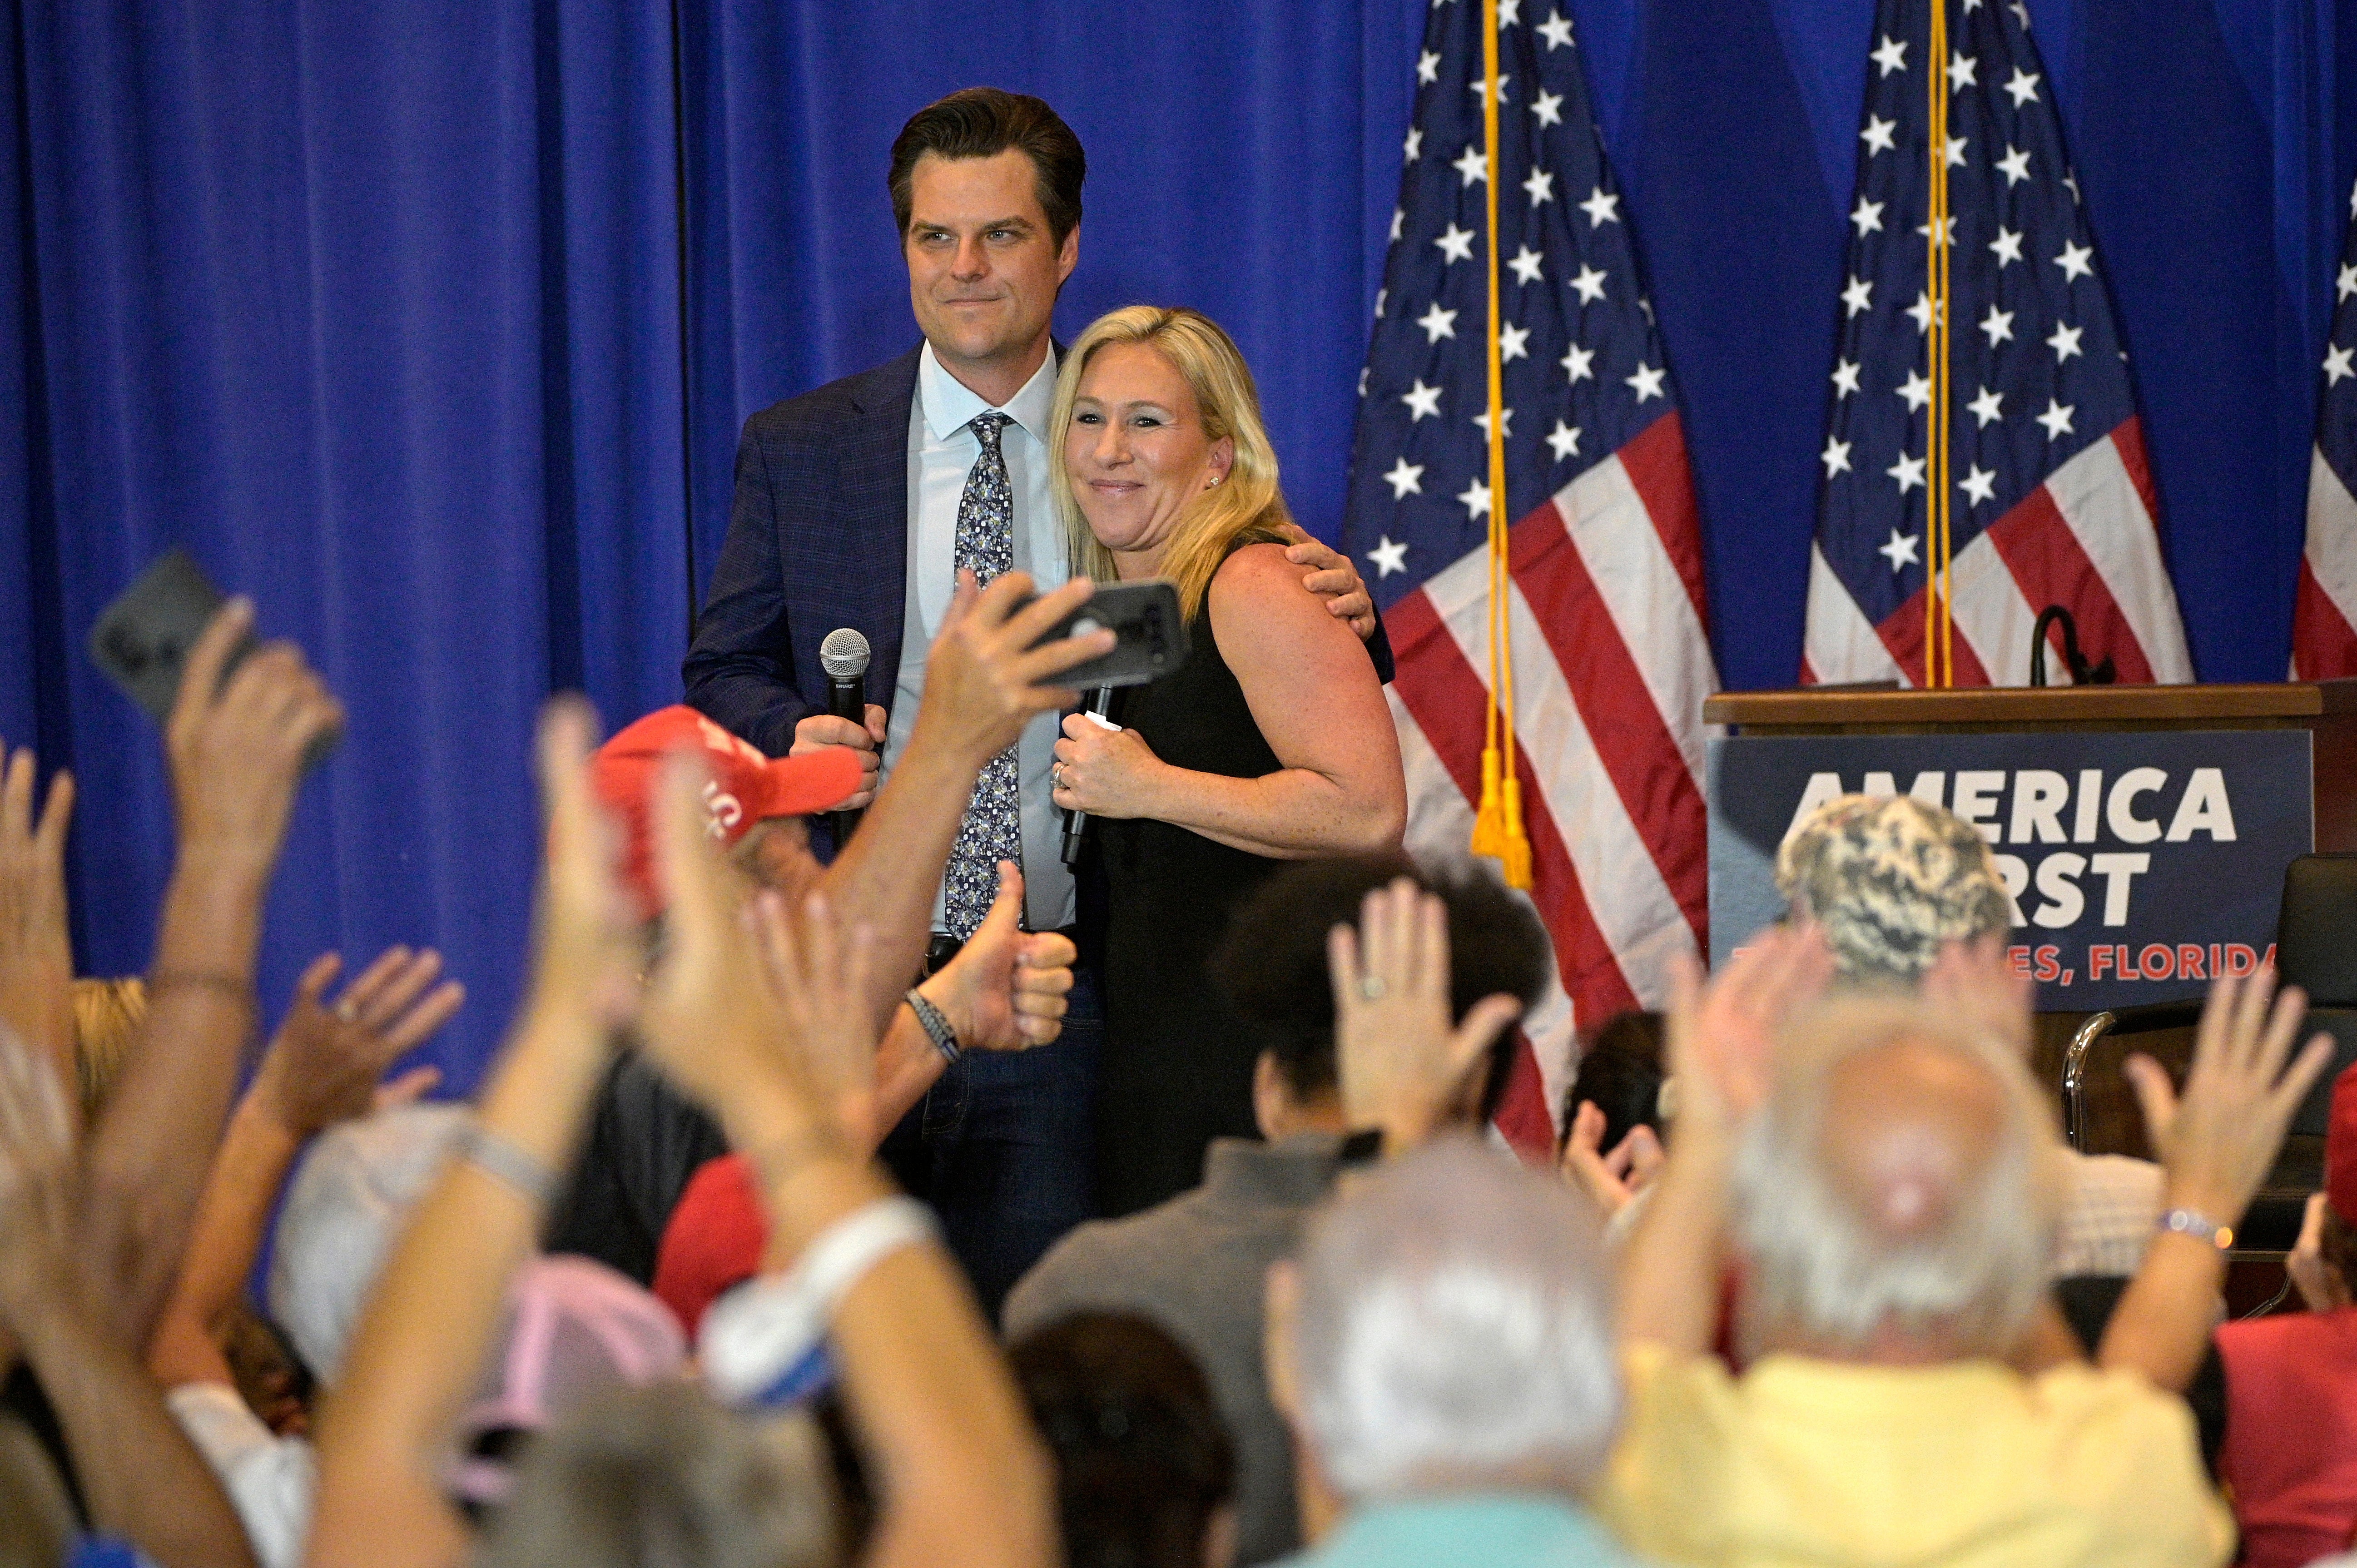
(107, 1016)
(1247, 508)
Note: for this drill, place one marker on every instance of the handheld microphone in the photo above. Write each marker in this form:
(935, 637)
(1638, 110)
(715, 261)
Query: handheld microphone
(844, 656)
(1076, 823)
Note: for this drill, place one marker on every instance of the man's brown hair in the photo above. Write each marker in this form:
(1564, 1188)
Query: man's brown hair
(982, 123)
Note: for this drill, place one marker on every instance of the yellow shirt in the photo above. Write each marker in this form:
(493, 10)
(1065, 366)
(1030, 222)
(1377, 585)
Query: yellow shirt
(1965, 1465)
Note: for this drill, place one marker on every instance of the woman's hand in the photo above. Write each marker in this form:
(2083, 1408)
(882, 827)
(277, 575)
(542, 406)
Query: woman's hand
(1105, 772)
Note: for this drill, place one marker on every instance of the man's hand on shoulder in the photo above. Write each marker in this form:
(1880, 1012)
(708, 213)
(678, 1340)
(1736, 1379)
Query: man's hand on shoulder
(1333, 579)
(819, 731)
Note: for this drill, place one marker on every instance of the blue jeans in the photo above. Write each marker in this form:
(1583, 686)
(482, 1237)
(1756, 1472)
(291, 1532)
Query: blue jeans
(1002, 1147)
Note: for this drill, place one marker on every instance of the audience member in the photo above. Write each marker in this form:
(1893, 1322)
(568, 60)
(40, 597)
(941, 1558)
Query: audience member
(1006, 994)
(2289, 1461)
(94, 1229)
(1144, 1471)
(1195, 1264)
(1883, 1177)
(1611, 1142)
(1908, 896)
(1443, 1350)
(664, 1475)
(768, 1038)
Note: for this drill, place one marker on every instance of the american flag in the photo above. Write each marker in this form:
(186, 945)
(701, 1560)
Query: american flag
(2051, 501)
(1610, 656)
(2324, 624)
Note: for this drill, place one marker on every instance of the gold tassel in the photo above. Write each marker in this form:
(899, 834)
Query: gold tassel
(1517, 852)
(1490, 822)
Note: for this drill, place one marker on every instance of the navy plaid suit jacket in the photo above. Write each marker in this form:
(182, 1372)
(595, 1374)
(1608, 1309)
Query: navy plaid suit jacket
(818, 539)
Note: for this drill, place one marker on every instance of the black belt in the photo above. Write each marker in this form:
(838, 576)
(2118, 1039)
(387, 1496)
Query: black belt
(944, 946)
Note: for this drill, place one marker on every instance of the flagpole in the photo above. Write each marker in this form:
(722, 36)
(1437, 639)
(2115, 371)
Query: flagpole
(1938, 627)
(1498, 826)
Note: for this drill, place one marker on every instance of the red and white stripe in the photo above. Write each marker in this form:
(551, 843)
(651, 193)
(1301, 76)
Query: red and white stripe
(1611, 662)
(2085, 539)
(2324, 620)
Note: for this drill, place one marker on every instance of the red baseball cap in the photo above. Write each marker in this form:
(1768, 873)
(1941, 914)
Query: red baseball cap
(747, 788)
(713, 1241)
(2340, 1148)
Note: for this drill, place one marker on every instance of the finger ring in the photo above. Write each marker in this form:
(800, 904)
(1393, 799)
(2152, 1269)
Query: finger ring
(1056, 775)
(346, 1011)
(1372, 987)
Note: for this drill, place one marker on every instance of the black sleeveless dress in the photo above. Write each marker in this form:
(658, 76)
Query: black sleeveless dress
(1177, 1066)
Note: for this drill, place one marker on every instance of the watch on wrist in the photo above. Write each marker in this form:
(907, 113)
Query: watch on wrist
(936, 1024)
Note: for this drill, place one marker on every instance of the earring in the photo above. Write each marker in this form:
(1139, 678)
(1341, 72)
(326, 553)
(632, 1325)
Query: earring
(1215, 479)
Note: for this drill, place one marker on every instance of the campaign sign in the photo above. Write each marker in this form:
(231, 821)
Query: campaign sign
(2139, 862)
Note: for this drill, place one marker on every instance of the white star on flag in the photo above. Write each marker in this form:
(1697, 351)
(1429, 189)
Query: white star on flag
(2007, 246)
(2014, 165)
(1565, 439)
(1476, 500)
(1835, 457)
(1456, 243)
(1917, 390)
(2057, 418)
(1845, 377)
(1858, 296)
(1389, 557)
(1539, 186)
(1438, 323)
(1548, 107)
(2064, 341)
(1868, 217)
(1960, 71)
(1555, 31)
(1482, 419)
(1526, 264)
(2346, 284)
(1908, 472)
(2336, 368)
(1405, 478)
(1999, 325)
(1921, 311)
(1427, 69)
(1980, 484)
(1602, 207)
(1901, 550)
(1891, 56)
(2076, 260)
(1575, 363)
(1473, 164)
(2023, 85)
(1480, 88)
(1985, 407)
(1877, 134)
(1513, 342)
(1415, 143)
(1421, 400)
(1646, 382)
(1589, 285)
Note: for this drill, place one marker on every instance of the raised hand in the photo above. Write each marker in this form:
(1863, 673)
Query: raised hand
(237, 749)
(1610, 1180)
(1333, 577)
(983, 678)
(586, 951)
(1005, 991)
(1722, 1033)
(2218, 1137)
(1405, 1065)
(772, 1042)
(327, 1064)
(2320, 1285)
(1976, 984)
(35, 955)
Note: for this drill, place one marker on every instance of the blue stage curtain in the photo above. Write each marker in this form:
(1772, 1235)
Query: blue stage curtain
(432, 326)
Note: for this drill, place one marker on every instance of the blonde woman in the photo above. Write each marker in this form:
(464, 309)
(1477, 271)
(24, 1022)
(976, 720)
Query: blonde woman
(1271, 743)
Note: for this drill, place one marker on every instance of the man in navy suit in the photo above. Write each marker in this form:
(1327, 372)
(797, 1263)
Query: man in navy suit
(856, 505)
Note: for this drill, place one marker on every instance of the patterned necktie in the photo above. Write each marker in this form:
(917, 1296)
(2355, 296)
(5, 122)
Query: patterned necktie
(993, 828)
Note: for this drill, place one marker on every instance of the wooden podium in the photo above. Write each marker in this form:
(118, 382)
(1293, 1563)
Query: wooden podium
(2288, 757)
(2327, 708)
